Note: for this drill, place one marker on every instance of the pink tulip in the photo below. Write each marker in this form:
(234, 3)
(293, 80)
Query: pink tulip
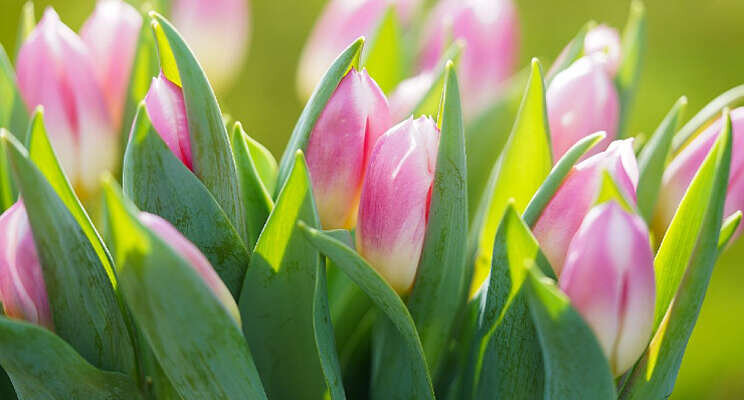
(56, 70)
(194, 257)
(339, 146)
(603, 42)
(22, 288)
(609, 277)
(111, 34)
(490, 31)
(684, 166)
(218, 32)
(394, 207)
(408, 94)
(341, 22)
(563, 215)
(166, 108)
(581, 100)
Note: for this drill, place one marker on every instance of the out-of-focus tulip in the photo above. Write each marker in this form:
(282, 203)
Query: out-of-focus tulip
(218, 32)
(22, 289)
(581, 100)
(194, 257)
(55, 70)
(341, 23)
(394, 207)
(609, 277)
(408, 93)
(490, 31)
(339, 146)
(165, 105)
(563, 215)
(684, 166)
(111, 34)
(603, 42)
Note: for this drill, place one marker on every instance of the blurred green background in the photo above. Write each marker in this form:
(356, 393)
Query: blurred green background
(695, 48)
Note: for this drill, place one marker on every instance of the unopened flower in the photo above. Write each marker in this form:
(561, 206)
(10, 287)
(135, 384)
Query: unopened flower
(166, 108)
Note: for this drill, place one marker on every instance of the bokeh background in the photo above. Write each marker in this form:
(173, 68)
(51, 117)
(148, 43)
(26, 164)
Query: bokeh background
(695, 48)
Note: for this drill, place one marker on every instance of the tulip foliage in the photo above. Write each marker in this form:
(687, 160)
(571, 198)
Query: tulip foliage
(404, 248)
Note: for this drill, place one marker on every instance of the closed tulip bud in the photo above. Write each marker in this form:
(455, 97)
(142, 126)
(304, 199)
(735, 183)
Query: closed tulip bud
(394, 207)
(193, 257)
(111, 34)
(609, 277)
(166, 108)
(490, 32)
(603, 42)
(341, 22)
(218, 32)
(563, 215)
(581, 100)
(22, 289)
(55, 70)
(681, 170)
(339, 146)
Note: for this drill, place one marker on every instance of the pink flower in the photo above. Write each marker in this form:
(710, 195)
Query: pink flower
(166, 108)
(603, 42)
(563, 215)
(394, 207)
(339, 146)
(609, 277)
(22, 288)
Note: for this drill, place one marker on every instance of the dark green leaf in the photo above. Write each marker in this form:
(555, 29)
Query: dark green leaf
(324, 337)
(629, 71)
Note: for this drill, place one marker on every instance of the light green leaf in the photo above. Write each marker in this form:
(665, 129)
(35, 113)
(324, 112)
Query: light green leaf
(609, 190)
(26, 24)
(384, 56)
(729, 98)
(13, 117)
(432, 100)
(629, 71)
(264, 161)
(193, 336)
(728, 229)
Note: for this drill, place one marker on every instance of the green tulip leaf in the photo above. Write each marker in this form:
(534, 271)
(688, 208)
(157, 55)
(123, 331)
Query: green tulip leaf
(384, 57)
(159, 183)
(609, 190)
(432, 100)
(276, 302)
(264, 161)
(629, 71)
(730, 98)
(195, 339)
(26, 24)
(324, 337)
(728, 229)
(572, 52)
(13, 117)
(348, 59)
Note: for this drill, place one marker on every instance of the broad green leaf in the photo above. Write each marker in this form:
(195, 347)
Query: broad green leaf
(629, 71)
(653, 158)
(728, 229)
(256, 197)
(82, 298)
(45, 367)
(416, 377)
(195, 339)
(554, 180)
(276, 302)
(572, 52)
(432, 100)
(729, 98)
(348, 59)
(682, 236)
(521, 169)
(6, 386)
(384, 56)
(265, 163)
(655, 374)
(26, 24)
(575, 366)
(13, 117)
(324, 337)
(210, 145)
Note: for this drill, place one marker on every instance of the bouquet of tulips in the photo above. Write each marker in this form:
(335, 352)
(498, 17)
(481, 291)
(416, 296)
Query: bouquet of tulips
(440, 225)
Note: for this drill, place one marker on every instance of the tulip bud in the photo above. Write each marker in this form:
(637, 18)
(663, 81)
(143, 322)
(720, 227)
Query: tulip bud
(218, 33)
(22, 288)
(562, 216)
(490, 31)
(680, 171)
(408, 94)
(581, 100)
(194, 257)
(166, 108)
(341, 22)
(603, 43)
(111, 34)
(55, 70)
(609, 277)
(339, 146)
(394, 207)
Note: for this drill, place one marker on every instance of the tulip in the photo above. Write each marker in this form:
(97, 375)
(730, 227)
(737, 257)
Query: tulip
(22, 288)
(111, 34)
(603, 42)
(681, 170)
(55, 69)
(166, 108)
(339, 146)
(490, 32)
(609, 277)
(394, 207)
(341, 22)
(562, 216)
(194, 258)
(408, 94)
(218, 33)
(581, 100)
